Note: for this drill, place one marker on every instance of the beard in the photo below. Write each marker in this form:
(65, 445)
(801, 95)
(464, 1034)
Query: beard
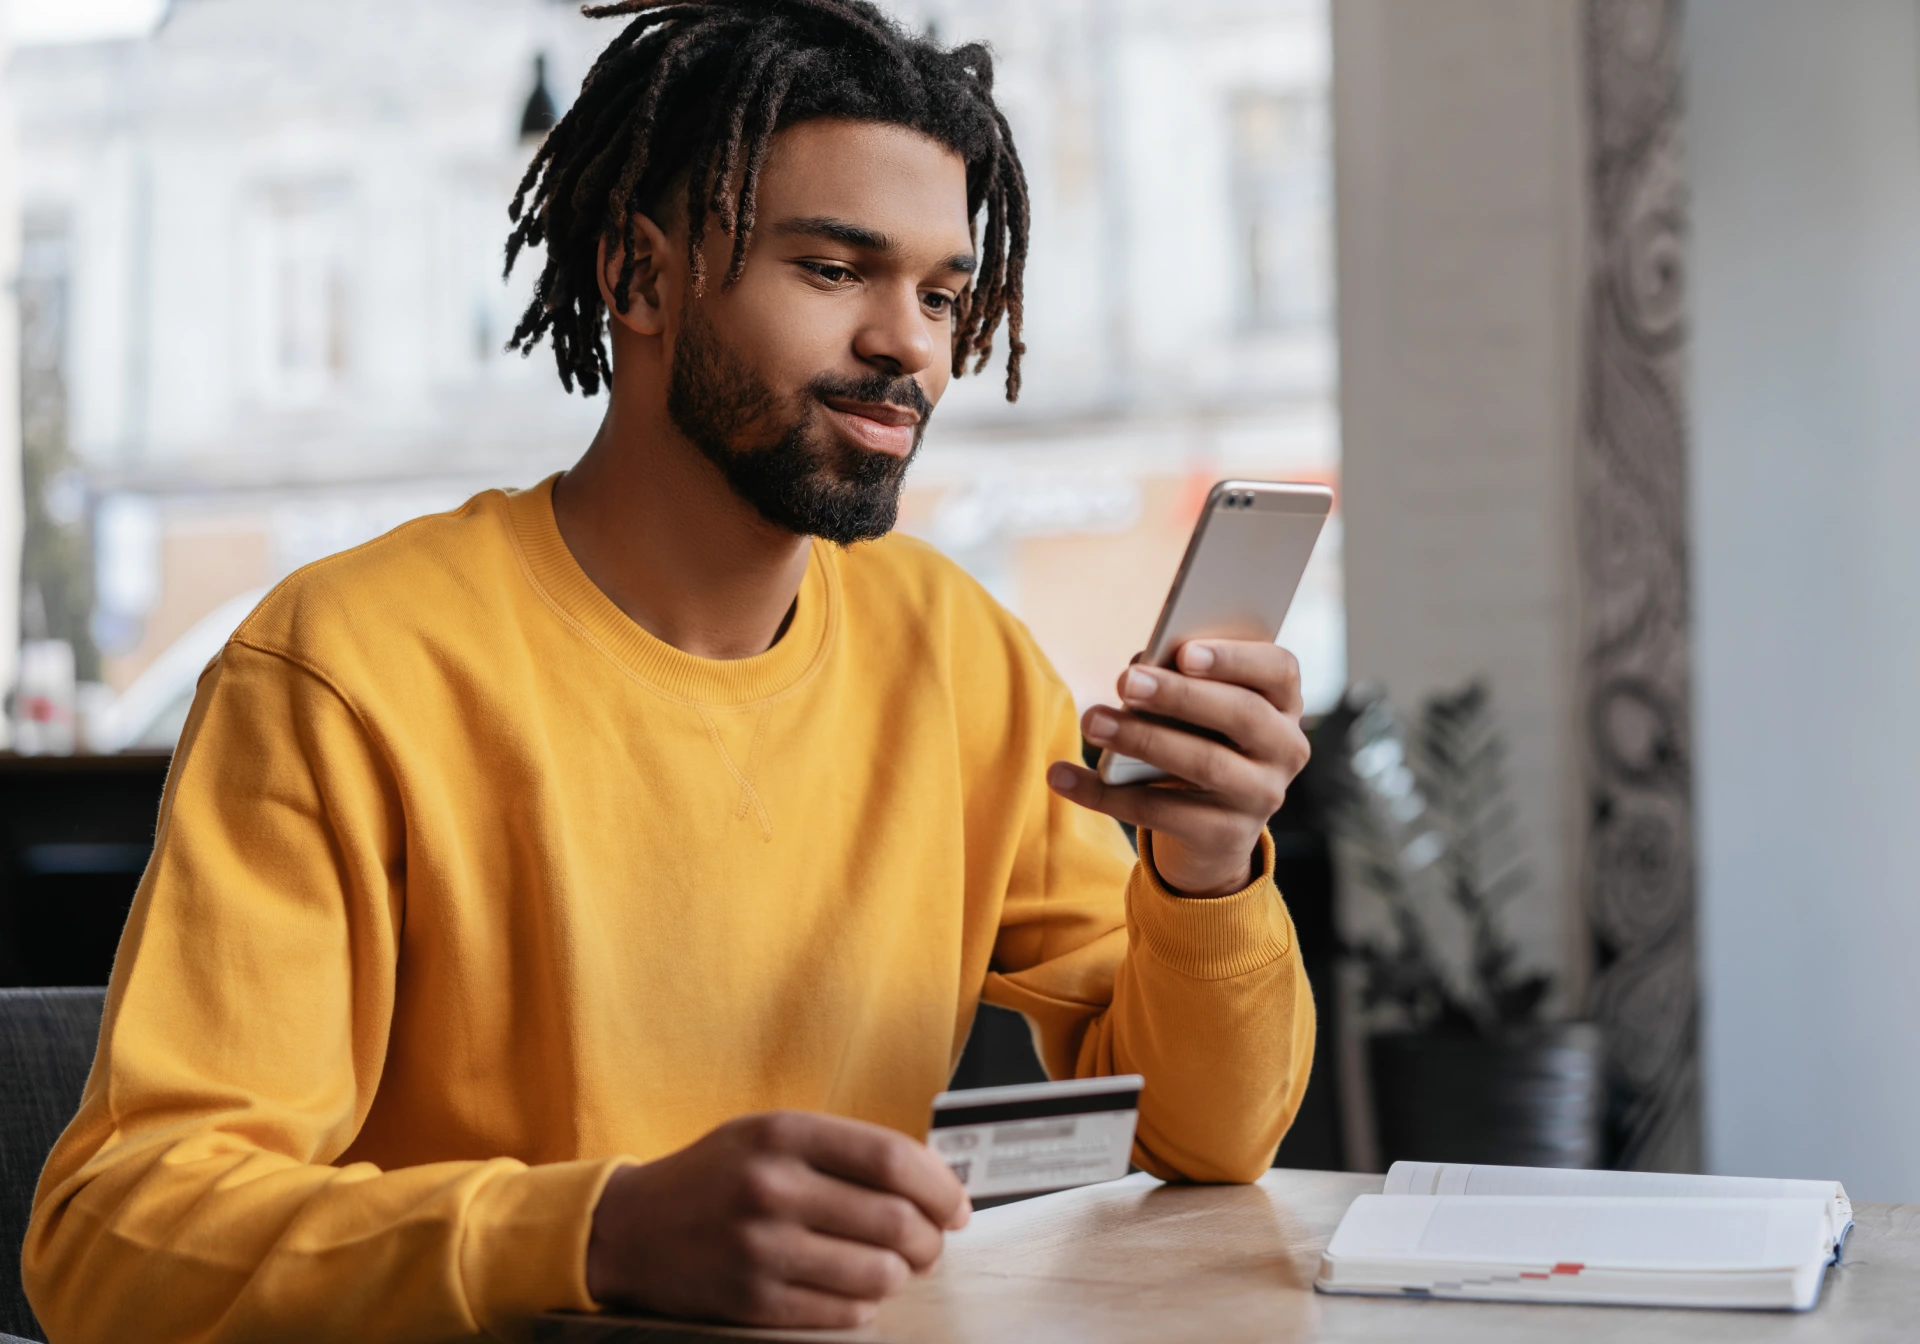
(795, 471)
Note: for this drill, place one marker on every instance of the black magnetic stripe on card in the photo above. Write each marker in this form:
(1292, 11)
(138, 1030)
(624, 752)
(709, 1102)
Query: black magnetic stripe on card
(1037, 1109)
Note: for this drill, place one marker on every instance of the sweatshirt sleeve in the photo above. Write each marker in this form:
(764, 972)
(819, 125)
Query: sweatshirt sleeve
(195, 1196)
(1206, 998)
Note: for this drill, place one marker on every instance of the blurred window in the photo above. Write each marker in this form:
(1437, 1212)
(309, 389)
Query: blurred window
(299, 258)
(263, 315)
(473, 318)
(1282, 160)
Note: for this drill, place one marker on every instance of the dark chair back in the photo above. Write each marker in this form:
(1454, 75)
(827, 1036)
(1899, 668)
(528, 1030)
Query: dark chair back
(47, 1040)
(75, 831)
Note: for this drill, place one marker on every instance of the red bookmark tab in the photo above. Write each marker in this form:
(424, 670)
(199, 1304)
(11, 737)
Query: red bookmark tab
(1568, 1267)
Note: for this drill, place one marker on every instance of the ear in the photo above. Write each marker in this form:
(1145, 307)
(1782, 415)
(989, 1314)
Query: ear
(659, 270)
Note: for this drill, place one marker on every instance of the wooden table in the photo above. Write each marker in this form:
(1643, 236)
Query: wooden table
(1134, 1260)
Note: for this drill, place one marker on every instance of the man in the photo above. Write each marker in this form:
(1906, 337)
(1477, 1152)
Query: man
(575, 900)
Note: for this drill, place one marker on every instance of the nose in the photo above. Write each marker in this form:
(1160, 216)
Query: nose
(893, 335)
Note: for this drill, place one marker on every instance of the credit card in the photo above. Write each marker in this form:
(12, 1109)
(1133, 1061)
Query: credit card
(1037, 1136)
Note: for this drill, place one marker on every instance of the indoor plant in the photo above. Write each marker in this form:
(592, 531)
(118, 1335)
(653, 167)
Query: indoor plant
(1462, 1065)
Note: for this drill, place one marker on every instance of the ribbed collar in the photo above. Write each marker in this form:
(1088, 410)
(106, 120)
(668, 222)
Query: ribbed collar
(713, 681)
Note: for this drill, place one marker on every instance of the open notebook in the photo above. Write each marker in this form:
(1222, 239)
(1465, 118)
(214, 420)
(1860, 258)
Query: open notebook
(1539, 1234)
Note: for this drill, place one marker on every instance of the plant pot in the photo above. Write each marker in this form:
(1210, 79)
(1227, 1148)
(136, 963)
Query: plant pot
(1529, 1098)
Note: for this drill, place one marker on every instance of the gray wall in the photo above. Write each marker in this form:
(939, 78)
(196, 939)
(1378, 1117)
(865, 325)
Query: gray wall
(1459, 154)
(1804, 149)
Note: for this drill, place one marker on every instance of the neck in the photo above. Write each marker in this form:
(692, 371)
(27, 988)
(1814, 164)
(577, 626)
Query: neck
(658, 529)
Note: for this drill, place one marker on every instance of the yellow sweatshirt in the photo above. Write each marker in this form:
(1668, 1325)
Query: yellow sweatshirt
(467, 889)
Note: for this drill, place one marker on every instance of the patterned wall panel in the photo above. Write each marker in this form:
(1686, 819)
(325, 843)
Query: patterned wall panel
(1635, 670)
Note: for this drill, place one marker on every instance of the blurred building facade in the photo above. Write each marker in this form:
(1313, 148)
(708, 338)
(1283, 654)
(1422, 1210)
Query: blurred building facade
(11, 511)
(261, 255)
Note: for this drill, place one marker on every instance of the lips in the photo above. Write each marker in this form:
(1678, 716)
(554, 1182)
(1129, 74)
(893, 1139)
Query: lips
(879, 425)
(883, 412)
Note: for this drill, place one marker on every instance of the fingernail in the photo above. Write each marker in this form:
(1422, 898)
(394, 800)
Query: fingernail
(1139, 685)
(1100, 725)
(1060, 777)
(1197, 657)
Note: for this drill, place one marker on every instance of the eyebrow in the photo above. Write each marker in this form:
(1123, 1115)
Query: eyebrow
(868, 240)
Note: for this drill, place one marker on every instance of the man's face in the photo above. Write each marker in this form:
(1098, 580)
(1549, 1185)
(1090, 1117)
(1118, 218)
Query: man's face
(809, 382)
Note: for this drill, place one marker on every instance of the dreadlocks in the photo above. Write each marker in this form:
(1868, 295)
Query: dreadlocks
(696, 90)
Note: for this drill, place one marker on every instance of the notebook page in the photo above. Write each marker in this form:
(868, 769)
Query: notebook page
(1647, 1234)
(1461, 1178)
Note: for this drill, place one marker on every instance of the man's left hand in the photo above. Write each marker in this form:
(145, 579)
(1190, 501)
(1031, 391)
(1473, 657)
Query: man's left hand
(1206, 822)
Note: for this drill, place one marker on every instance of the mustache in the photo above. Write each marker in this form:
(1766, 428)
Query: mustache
(894, 390)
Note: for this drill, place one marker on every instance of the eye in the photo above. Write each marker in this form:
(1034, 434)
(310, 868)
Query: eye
(940, 305)
(828, 271)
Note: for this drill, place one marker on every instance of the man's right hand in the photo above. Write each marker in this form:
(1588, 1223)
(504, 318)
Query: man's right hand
(786, 1219)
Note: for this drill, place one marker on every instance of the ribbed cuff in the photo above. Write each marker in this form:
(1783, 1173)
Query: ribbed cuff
(524, 1248)
(1209, 938)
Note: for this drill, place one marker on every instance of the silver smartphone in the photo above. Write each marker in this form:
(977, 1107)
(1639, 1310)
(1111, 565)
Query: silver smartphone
(1242, 567)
